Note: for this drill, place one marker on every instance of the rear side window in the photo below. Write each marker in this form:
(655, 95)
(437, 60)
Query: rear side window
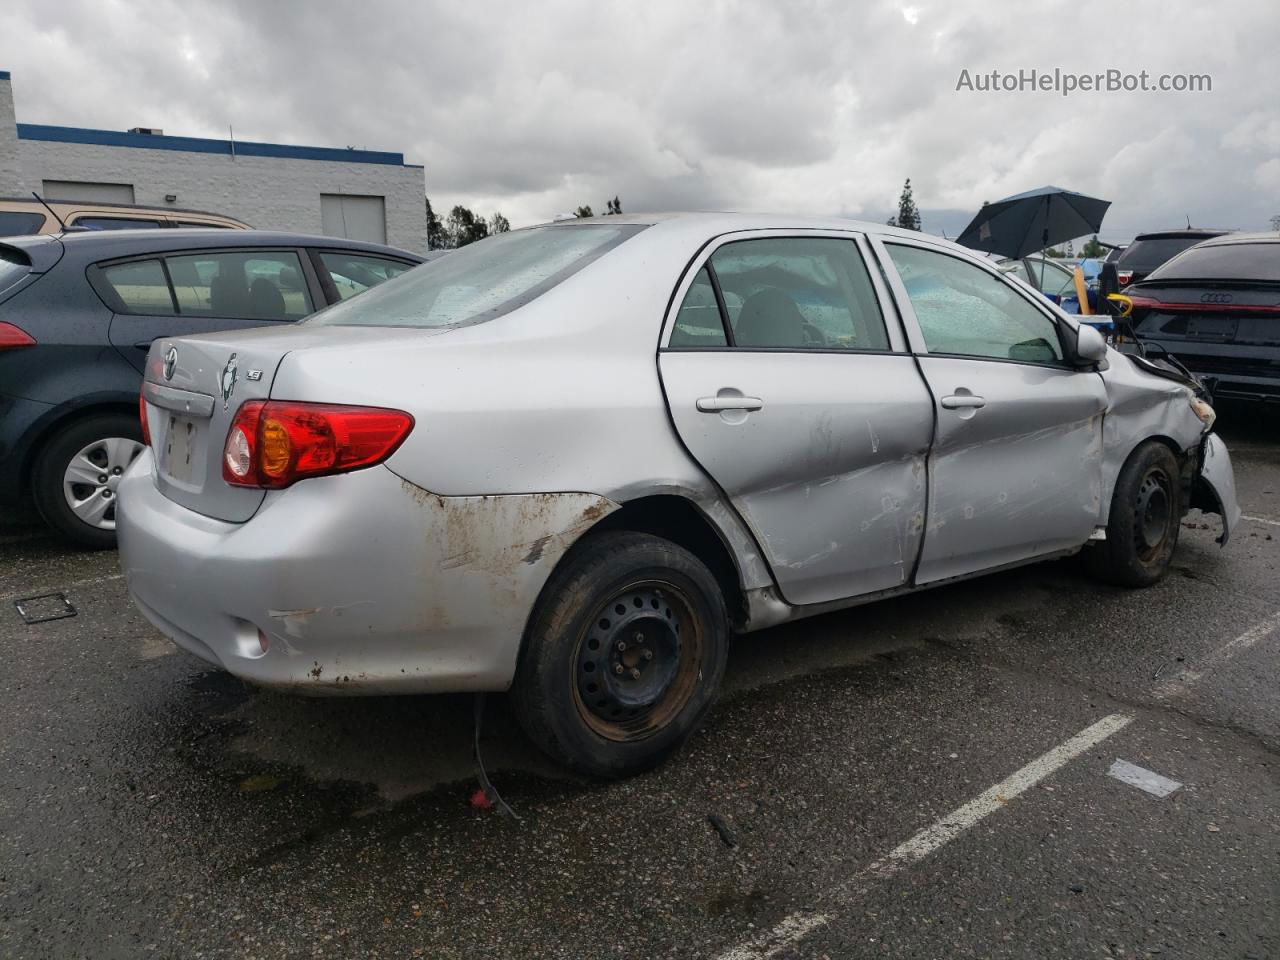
(809, 293)
(13, 267)
(1227, 261)
(482, 280)
(256, 285)
(139, 287)
(17, 223)
(115, 223)
(963, 310)
(355, 273)
(698, 322)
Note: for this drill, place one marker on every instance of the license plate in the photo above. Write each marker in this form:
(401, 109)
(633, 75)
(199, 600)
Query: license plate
(179, 446)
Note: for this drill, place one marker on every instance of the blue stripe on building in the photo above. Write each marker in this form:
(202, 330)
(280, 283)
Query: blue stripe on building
(242, 148)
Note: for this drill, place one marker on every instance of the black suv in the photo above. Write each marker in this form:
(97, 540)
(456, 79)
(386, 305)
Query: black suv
(1216, 307)
(78, 312)
(1149, 250)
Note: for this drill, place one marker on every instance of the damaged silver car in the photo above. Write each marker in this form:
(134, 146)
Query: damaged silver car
(570, 461)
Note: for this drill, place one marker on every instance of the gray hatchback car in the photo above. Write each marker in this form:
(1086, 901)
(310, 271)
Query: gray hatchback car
(571, 460)
(78, 312)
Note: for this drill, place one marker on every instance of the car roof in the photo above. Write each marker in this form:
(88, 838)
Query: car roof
(1227, 239)
(711, 224)
(103, 244)
(1182, 234)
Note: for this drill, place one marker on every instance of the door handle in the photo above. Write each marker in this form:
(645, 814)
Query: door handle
(718, 404)
(961, 401)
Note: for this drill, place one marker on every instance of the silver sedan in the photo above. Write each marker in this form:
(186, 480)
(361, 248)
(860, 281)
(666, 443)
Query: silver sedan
(572, 460)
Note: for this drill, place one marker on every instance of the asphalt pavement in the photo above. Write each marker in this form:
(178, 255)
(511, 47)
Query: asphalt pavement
(923, 777)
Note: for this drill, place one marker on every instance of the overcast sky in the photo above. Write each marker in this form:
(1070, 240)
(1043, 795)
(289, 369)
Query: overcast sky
(532, 108)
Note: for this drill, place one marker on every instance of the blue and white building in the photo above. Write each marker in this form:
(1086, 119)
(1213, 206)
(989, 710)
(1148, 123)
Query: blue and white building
(361, 194)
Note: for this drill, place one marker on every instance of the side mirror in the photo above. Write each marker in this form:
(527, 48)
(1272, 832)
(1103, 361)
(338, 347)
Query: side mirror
(1090, 346)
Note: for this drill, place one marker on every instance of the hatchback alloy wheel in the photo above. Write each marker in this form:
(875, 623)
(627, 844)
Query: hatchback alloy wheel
(90, 480)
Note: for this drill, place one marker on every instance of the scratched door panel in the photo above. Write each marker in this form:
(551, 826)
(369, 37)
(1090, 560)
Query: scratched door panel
(1020, 476)
(828, 473)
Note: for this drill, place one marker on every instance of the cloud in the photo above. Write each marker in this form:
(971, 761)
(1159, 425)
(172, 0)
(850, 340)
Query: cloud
(808, 107)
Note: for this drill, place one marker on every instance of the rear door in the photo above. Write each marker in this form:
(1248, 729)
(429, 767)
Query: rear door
(177, 294)
(789, 381)
(1016, 466)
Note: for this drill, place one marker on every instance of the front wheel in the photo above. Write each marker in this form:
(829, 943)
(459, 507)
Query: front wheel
(1146, 511)
(624, 655)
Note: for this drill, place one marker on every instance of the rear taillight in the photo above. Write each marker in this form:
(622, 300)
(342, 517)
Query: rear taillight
(1124, 277)
(142, 416)
(12, 338)
(274, 443)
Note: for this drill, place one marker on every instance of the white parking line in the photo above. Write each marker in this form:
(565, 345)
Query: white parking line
(795, 927)
(1259, 631)
(1274, 523)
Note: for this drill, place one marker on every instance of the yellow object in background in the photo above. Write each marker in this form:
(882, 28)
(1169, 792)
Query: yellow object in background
(1126, 303)
(1082, 291)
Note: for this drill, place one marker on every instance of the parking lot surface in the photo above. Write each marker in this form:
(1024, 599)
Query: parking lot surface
(923, 777)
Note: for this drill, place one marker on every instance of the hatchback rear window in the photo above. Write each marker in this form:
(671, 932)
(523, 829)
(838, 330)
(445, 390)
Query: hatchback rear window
(19, 223)
(1227, 261)
(480, 281)
(1146, 255)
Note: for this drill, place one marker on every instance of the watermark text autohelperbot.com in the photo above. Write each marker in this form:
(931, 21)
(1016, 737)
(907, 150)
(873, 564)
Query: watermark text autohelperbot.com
(1065, 82)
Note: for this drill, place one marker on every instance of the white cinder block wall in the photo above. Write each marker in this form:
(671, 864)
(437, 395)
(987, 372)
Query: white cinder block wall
(271, 192)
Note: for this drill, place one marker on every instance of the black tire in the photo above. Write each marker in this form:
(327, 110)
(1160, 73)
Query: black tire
(1146, 515)
(584, 700)
(50, 469)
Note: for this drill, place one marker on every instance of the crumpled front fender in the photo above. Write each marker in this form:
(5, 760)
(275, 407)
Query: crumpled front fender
(1214, 490)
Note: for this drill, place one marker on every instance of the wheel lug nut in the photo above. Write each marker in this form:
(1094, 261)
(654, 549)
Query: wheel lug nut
(622, 645)
(102, 479)
(635, 673)
(617, 668)
(639, 638)
(648, 654)
(106, 494)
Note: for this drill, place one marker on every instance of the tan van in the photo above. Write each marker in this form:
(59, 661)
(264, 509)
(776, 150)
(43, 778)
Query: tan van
(19, 217)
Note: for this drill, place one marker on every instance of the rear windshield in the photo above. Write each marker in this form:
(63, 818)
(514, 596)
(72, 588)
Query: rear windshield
(1146, 255)
(482, 280)
(20, 223)
(1228, 261)
(13, 267)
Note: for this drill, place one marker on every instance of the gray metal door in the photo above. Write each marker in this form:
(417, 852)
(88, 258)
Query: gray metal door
(1015, 471)
(805, 410)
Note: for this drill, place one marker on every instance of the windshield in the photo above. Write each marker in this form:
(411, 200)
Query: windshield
(1227, 261)
(480, 281)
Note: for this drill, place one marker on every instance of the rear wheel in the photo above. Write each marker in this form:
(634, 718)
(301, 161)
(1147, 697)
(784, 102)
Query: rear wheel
(1146, 511)
(76, 474)
(624, 655)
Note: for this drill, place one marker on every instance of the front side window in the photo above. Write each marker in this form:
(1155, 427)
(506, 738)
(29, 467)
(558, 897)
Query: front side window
(249, 285)
(807, 293)
(139, 287)
(964, 310)
(482, 280)
(355, 273)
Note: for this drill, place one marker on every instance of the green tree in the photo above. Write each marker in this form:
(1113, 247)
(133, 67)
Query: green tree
(583, 212)
(908, 217)
(498, 223)
(614, 207)
(464, 227)
(1092, 248)
(436, 238)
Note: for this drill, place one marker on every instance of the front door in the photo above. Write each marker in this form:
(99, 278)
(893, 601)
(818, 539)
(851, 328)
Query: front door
(790, 389)
(1016, 466)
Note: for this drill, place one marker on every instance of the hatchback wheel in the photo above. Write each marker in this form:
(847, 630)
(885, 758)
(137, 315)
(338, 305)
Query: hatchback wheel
(76, 475)
(624, 654)
(1146, 510)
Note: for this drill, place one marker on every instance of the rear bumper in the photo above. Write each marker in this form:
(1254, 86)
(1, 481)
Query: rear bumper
(362, 583)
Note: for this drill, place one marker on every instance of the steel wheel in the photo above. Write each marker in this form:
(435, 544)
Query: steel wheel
(90, 479)
(1153, 510)
(636, 663)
